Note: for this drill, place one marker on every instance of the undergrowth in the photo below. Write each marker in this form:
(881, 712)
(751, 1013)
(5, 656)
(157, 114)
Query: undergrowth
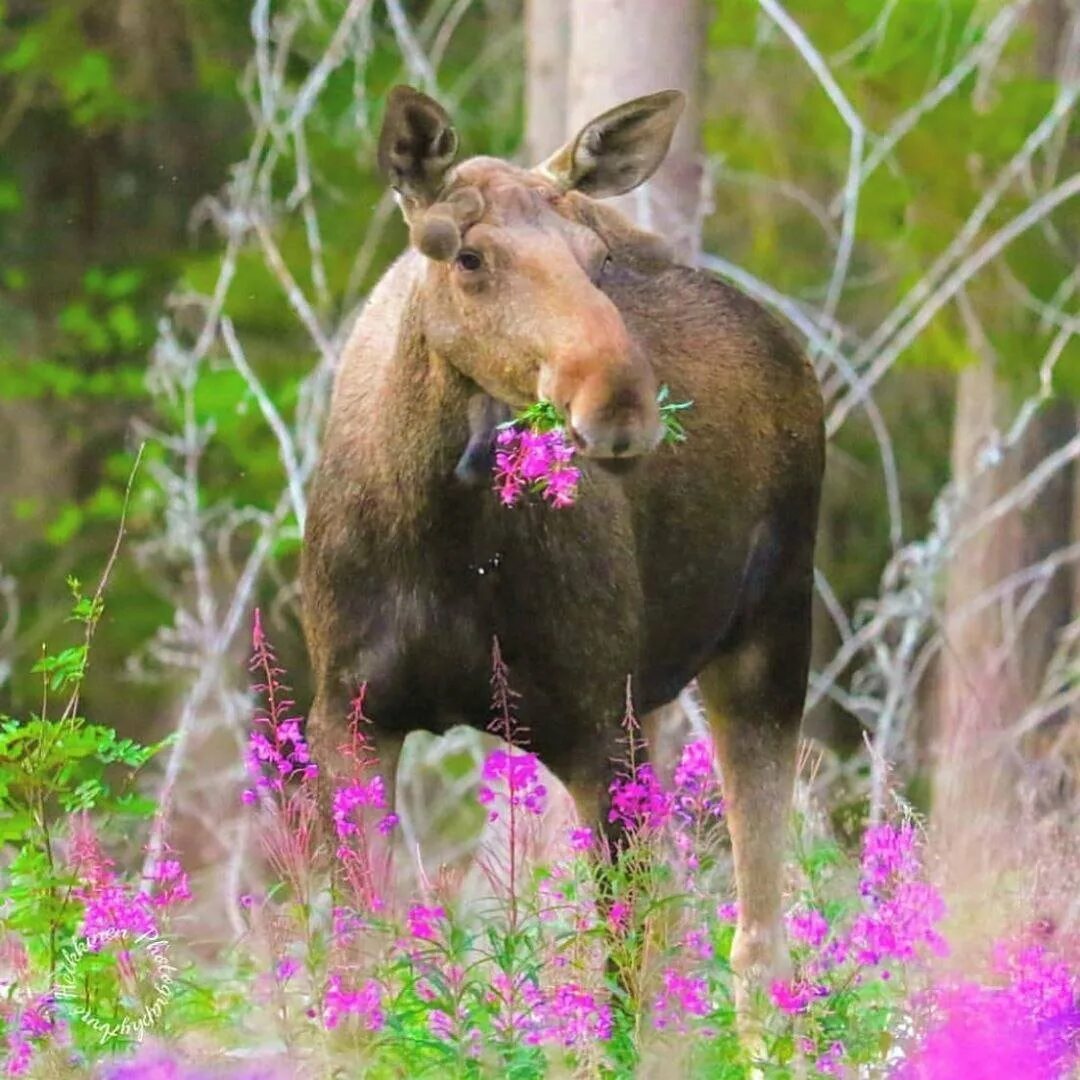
(579, 960)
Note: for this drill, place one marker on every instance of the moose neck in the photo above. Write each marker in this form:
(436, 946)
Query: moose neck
(418, 423)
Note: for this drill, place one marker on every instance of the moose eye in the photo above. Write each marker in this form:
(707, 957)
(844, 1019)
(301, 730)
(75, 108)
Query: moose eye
(469, 260)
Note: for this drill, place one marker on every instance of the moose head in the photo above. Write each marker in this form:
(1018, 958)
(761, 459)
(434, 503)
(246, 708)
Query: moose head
(512, 290)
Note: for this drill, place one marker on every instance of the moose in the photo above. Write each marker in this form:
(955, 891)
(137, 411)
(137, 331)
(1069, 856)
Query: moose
(675, 562)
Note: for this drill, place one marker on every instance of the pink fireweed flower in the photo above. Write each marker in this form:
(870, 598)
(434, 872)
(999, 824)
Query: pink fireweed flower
(638, 800)
(86, 856)
(112, 908)
(831, 1062)
(443, 1026)
(680, 996)
(807, 926)
(698, 944)
(889, 857)
(277, 750)
(572, 1017)
(696, 798)
(535, 461)
(171, 885)
(795, 996)
(903, 909)
(517, 776)
(422, 920)
(356, 796)
(156, 1062)
(364, 1003)
(582, 839)
(1029, 1026)
(697, 787)
(519, 1006)
(618, 916)
(728, 912)
(286, 969)
(35, 1024)
(112, 911)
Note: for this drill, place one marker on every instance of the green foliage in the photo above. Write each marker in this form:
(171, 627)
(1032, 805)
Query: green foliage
(54, 766)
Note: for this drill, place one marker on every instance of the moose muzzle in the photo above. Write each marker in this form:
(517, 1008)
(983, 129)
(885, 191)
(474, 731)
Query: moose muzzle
(605, 388)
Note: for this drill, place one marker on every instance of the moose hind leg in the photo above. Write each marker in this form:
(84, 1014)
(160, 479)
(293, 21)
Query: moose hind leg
(754, 696)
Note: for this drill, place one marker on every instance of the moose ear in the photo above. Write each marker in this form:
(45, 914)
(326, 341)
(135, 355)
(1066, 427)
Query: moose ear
(618, 150)
(417, 145)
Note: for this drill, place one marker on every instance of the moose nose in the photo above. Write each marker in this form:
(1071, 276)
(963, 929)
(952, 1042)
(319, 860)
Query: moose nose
(627, 438)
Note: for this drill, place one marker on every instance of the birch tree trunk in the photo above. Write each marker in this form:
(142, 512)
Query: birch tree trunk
(621, 49)
(547, 52)
(995, 655)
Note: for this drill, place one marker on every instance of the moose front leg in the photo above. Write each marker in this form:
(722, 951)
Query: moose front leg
(753, 696)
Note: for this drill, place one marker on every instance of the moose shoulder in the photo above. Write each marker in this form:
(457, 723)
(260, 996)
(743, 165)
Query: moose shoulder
(675, 562)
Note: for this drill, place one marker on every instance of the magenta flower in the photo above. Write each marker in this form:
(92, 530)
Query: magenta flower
(277, 750)
(618, 916)
(31, 1028)
(357, 795)
(698, 944)
(364, 1003)
(697, 786)
(171, 885)
(795, 996)
(286, 968)
(422, 920)
(831, 1062)
(1029, 1026)
(807, 926)
(571, 1016)
(903, 909)
(728, 912)
(695, 771)
(638, 800)
(517, 776)
(114, 910)
(681, 996)
(890, 856)
(582, 839)
(535, 461)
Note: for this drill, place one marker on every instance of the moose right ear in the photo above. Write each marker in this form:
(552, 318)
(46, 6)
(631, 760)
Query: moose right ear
(417, 145)
(618, 150)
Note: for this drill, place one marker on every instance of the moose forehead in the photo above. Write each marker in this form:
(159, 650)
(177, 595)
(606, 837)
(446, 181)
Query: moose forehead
(489, 191)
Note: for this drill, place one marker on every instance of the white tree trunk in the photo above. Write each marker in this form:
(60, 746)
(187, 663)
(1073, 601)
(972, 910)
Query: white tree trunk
(622, 49)
(547, 51)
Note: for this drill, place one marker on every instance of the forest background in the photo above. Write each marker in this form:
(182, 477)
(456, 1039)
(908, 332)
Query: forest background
(190, 219)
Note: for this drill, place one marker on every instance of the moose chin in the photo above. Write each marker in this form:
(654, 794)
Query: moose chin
(696, 562)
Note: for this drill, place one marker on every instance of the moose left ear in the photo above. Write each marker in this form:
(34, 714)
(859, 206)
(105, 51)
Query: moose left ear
(417, 145)
(618, 150)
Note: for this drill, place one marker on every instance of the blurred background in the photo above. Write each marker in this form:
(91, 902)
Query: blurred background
(190, 220)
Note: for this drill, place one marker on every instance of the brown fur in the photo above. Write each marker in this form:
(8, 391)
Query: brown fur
(698, 560)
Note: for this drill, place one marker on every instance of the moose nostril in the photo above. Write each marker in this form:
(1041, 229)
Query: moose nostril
(576, 437)
(620, 445)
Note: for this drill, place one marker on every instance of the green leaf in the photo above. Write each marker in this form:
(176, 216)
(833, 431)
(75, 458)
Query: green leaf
(674, 432)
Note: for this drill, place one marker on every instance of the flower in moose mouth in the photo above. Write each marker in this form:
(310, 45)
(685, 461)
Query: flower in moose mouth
(533, 454)
(537, 462)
